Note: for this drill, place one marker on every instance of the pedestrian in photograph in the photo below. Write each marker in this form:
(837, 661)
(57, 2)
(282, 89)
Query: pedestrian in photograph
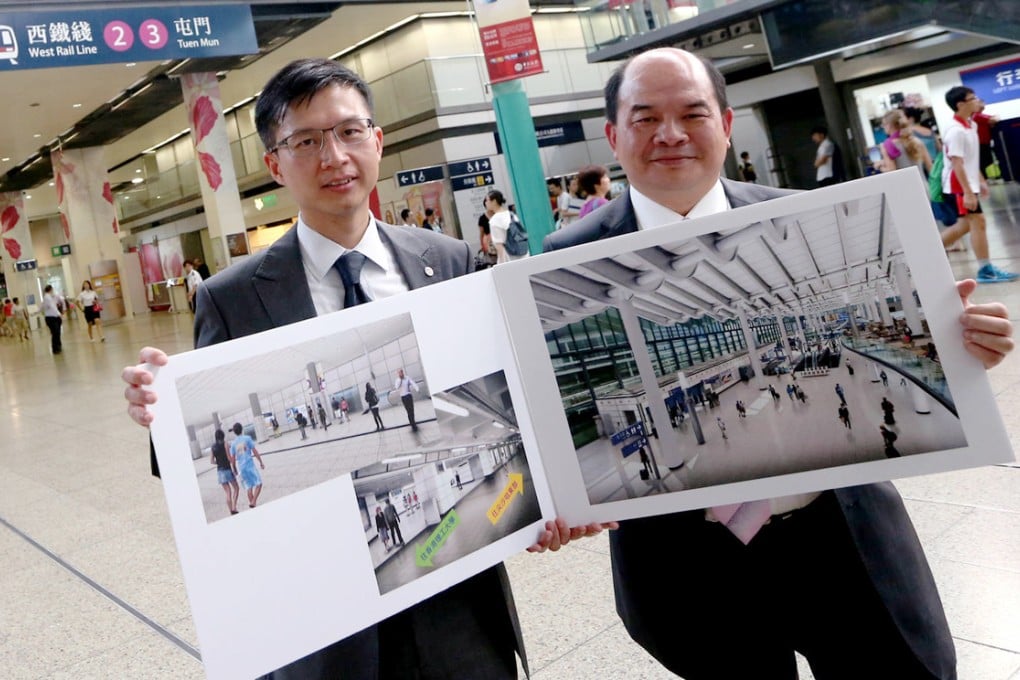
(791, 391)
(302, 423)
(226, 472)
(311, 417)
(844, 415)
(372, 399)
(889, 438)
(393, 523)
(888, 409)
(722, 426)
(345, 408)
(380, 526)
(849, 368)
(404, 385)
(244, 454)
(53, 312)
(885, 378)
(741, 409)
(646, 463)
(456, 477)
(801, 394)
(88, 299)
(322, 418)
(773, 393)
(839, 393)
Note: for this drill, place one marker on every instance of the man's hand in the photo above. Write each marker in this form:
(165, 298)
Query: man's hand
(987, 330)
(970, 200)
(137, 377)
(558, 534)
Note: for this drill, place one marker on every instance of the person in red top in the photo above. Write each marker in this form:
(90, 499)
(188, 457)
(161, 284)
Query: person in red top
(984, 124)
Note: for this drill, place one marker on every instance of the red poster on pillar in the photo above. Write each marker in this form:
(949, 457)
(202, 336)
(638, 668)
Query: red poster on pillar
(509, 43)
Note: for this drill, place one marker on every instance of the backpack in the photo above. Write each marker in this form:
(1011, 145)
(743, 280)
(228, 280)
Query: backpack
(516, 237)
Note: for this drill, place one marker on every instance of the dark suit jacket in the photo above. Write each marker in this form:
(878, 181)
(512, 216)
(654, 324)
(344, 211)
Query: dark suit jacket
(470, 630)
(875, 515)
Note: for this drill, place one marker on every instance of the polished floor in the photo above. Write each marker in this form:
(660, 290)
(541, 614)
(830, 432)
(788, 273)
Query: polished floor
(91, 586)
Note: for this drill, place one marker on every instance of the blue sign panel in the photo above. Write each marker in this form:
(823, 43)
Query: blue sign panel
(81, 37)
(635, 430)
(633, 446)
(472, 181)
(995, 82)
(554, 134)
(406, 178)
(472, 167)
(25, 265)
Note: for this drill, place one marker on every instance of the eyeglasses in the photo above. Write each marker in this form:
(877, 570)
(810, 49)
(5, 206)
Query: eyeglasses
(305, 143)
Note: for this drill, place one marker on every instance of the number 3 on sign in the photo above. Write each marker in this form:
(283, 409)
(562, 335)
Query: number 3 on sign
(118, 36)
(153, 34)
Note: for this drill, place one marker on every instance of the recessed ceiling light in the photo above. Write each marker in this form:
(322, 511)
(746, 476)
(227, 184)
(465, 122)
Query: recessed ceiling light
(28, 195)
(5, 159)
(75, 106)
(748, 46)
(138, 171)
(50, 184)
(137, 180)
(37, 135)
(130, 64)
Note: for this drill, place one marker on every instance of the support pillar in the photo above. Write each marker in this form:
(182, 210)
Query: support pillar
(90, 226)
(911, 314)
(520, 147)
(669, 442)
(752, 351)
(835, 114)
(258, 421)
(17, 245)
(214, 163)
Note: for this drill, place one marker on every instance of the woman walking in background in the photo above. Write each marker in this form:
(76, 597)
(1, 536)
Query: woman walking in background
(89, 301)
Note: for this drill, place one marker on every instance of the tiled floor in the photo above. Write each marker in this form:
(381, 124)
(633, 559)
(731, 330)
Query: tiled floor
(91, 587)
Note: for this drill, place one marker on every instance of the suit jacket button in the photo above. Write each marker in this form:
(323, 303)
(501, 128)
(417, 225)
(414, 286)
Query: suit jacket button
(429, 271)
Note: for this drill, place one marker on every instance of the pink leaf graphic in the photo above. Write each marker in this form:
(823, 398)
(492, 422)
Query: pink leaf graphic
(60, 188)
(116, 226)
(108, 193)
(9, 219)
(13, 247)
(203, 117)
(66, 225)
(211, 169)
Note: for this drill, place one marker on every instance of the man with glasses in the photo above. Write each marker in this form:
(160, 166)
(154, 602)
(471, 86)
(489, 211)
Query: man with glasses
(962, 182)
(315, 119)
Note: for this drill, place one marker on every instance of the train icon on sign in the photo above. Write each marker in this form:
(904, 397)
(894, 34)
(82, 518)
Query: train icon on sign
(8, 44)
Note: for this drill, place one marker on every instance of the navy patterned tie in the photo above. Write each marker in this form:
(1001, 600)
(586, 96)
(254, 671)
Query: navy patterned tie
(349, 267)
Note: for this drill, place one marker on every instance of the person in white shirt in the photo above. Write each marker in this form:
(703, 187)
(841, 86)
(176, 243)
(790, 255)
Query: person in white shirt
(499, 224)
(53, 312)
(404, 385)
(824, 174)
(192, 279)
(89, 301)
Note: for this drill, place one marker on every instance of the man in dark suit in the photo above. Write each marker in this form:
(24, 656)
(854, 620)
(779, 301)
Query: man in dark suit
(315, 119)
(838, 576)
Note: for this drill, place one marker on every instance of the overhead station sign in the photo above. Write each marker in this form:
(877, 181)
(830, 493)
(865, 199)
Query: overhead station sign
(83, 37)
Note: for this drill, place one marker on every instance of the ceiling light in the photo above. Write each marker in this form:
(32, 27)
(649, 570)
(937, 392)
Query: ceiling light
(5, 159)
(138, 171)
(50, 184)
(37, 135)
(75, 106)
(137, 180)
(748, 46)
(130, 64)
(28, 195)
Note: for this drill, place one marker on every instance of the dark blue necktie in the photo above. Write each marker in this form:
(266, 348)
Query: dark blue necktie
(349, 267)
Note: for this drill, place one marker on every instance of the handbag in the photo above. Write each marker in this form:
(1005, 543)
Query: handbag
(96, 306)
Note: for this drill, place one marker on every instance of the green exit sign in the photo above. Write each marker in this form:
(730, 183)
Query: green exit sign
(61, 251)
(263, 202)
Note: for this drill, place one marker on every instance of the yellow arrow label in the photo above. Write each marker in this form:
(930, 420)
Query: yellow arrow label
(514, 486)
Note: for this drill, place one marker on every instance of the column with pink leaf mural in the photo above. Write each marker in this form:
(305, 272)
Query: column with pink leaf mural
(17, 246)
(90, 226)
(216, 174)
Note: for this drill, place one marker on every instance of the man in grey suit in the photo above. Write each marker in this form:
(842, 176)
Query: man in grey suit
(315, 119)
(838, 576)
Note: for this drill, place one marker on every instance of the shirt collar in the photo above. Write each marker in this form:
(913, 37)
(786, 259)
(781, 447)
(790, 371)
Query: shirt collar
(965, 122)
(650, 214)
(319, 253)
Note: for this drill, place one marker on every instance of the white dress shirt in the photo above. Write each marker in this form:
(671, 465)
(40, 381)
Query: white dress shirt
(380, 277)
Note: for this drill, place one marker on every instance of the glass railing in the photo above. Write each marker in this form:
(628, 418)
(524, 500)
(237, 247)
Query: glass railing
(915, 363)
(609, 22)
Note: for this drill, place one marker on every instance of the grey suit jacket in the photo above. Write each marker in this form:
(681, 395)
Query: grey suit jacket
(473, 626)
(875, 515)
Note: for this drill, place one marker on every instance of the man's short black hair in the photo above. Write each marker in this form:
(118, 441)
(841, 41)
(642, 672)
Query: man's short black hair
(295, 84)
(405, 213)
(956, 95)
(429, 212)
(612, 88)
(820, 130)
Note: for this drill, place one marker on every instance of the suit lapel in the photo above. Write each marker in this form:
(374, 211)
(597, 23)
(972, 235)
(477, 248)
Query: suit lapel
(281, 284)
(620, 217)
(412, 255)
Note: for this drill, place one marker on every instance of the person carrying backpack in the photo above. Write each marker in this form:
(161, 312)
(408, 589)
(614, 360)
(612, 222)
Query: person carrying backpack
(505, 227)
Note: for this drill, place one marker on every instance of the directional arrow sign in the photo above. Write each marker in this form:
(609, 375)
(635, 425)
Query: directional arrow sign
(514, 486)
(635, 430)
(633, 446)
(424, 552)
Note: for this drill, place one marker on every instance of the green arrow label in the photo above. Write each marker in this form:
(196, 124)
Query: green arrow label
(424, 552)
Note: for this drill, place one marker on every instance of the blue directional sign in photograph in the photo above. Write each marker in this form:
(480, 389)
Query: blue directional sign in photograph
(82, 37)
(635, 430)
(406, 178)
(25, 265)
